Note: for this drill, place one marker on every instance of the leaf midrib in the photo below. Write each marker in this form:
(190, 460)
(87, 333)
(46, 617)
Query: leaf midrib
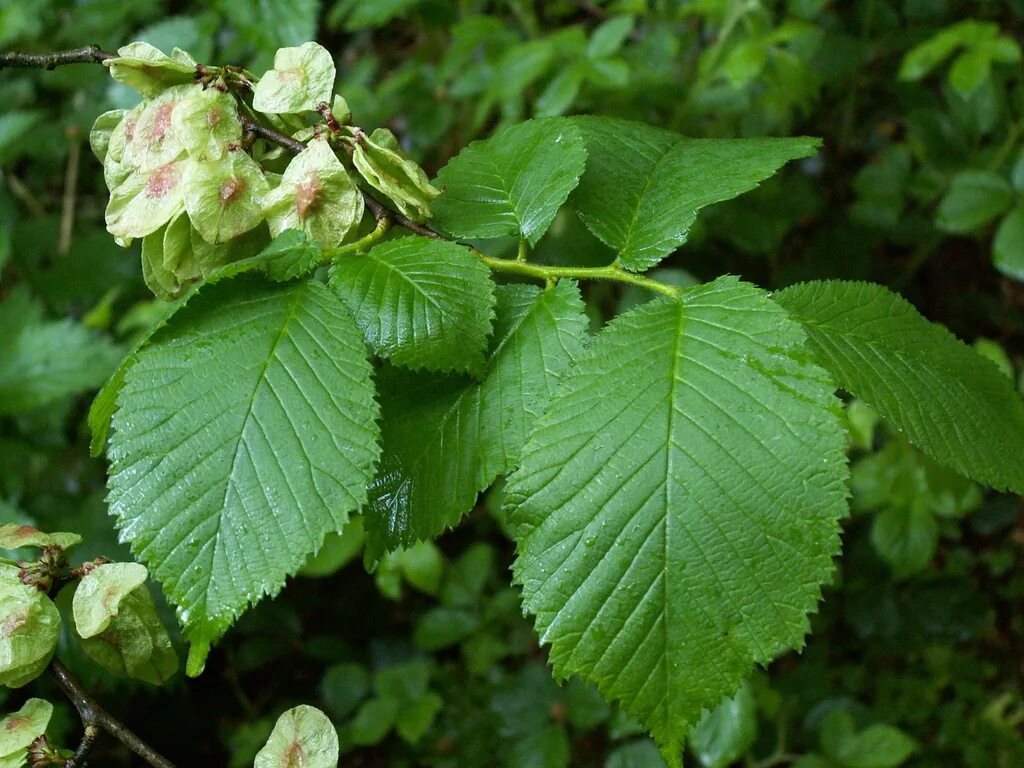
(228, 485)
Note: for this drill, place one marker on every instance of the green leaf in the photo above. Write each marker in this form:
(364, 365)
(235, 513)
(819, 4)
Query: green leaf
(676, 509)
(291, 254)
(636, 754)
(339, 550)
(643, 186)
(19, 729)
(922, 59)
(609, 37)
(420, 565)
(974, 199)
(381, 161)
(373, 721)
(134, 643)
(724, 734)
(512, 183)
(1008, 245)
(103, 406)
(315, 195)
(301, 79)
(44, 362)
(947, 400)
(415, 719)
(224, 198)
(223, 485)
(367, 14)
(970, 69)
(100, 592)
(14, 536)
(447, 438)
(29, 629)
(303, 737)
(877, 746)
(442, 627)
(420, 302)
(343, 686)
(149, 70)
(905, 537)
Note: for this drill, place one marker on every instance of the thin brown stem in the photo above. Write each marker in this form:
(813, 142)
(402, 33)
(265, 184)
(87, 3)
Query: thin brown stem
(68, 204)
(24, 194)
(95, 717)
(89, 54)
(249, 123)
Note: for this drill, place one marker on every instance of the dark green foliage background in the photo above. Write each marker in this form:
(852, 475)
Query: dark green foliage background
(931, 645)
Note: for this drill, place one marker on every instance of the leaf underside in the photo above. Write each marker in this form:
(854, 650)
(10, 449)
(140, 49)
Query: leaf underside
(448, 438)
(245, 431)
(676, 510)
(950, 402)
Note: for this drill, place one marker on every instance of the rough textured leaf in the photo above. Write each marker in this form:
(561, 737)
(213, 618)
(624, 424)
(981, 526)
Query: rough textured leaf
(421, 303)
(949, 401)
(224, 484)
(677, 507)
(291, 254)
(447, 438)
(103, 406)
(643, 185)
(512, 183)
(303, 737)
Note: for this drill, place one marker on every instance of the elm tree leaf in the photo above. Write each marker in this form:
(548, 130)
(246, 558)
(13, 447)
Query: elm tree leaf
(224, 485)
(945, 398)
(512, 183)
(420, 302)
(677, 507)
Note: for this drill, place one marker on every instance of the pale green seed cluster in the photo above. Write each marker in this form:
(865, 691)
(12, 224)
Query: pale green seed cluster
(113, 615)
(185, 179)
